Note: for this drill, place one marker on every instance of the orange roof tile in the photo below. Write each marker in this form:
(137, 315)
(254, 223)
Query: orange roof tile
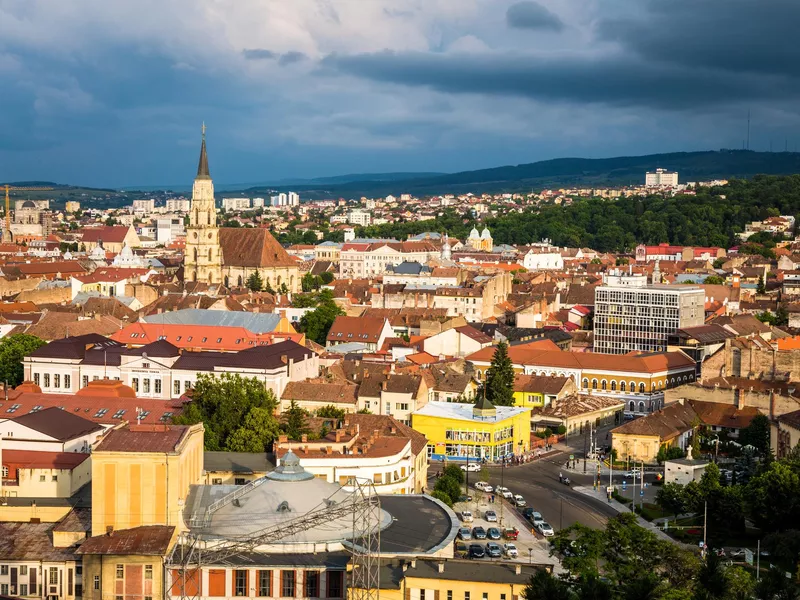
(200, 337)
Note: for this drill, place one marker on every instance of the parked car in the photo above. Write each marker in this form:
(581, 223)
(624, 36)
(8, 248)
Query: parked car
(476, 551)
(536, 518)
(466, 516)
(479, 533)
(511, 533)
(465, 533)
(519, 500)
(545, 529)
(510, 550)
(490, 516)
(504, 492)
(493, 550)
(472, 467)
(527, 512)
(483, 486)
(493, 533)
(464, 498)
(461, 550)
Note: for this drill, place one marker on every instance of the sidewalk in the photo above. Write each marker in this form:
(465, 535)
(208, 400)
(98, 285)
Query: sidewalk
(621, 508)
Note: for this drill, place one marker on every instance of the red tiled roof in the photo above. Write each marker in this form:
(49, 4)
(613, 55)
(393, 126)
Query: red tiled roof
(356, 329)
(200, 337)
(252, 247)
(109, 274)
(149, 540)
(32, 459)
(114, 234)
(143, 438)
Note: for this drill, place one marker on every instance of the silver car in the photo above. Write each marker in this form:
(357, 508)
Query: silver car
(545, 529)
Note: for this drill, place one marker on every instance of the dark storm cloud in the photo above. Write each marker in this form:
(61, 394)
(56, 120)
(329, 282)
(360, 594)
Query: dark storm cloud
(290, 58)
(736, 36)
(613, 80)
(259, 54)
(532, 15)
(285, 59)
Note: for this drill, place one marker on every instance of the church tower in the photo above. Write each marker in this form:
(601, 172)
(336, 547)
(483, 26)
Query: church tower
(202, 260)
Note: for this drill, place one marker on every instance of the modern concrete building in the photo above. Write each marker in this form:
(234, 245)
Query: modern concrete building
(631, 315)
(661, 178)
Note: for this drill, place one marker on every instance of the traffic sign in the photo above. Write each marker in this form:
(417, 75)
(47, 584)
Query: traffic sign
(748, 556)
(641, 493)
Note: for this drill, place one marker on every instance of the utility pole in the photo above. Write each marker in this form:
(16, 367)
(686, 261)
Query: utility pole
(502, 484)
(610, 475)
(584, 451)
(705, 526)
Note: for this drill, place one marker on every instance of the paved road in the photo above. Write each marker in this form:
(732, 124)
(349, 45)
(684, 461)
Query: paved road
(538, 483)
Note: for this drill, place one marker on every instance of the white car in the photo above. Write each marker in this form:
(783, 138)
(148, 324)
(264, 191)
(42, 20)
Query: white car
(472, 467)
(466, 516)
(635, 472)
(545, 529)
(510, 550)
(504, 492)
(519, 500)
(483, 486)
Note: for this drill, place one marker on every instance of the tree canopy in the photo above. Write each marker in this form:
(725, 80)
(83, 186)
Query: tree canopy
(238, 413)
(12, 350)
(500, 378)
(317, 323)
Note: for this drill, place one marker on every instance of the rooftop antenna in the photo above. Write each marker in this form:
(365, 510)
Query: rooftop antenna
(105, 363)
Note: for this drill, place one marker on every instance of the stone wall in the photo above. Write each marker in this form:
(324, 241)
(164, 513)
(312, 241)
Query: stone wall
(771, 403)
(50, 295)
(12, 287)
(753, 362)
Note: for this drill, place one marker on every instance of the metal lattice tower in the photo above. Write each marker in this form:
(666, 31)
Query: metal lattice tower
(195, 550)
(365, 578)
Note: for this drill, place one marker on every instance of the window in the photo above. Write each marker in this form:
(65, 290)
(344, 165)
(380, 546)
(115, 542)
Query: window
(3, 569)
(594, 384)
(187, 385)
(85, 380)
(47, 380)
(157, 386)
(23, 589)
(42, 478)
(485, 595)
(312, 584)
(55, 477)
(422, 595)
(287, 584)
(97, 582)
(23, 570)
(449, 594)
(56, 380)
(239, 481)
(240, 582)
(466, 595)
(36, 378)
(4, 589)
(148, 571)
(4, 471)
(204, 339)
(265, 583)
(53, 576)
(120, 572)
(216, 481)
(176, 387)
(641, 388)
(603, 384)
(146, 386)
(67, 381)
(335, 584)
(502, 597)
(145, 365)
(402, 406)
(377, 478)
(135, 384)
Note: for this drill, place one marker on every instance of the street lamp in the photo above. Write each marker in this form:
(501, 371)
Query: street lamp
(716, 449)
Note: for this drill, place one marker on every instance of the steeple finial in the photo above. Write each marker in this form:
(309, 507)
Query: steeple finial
(202, 167)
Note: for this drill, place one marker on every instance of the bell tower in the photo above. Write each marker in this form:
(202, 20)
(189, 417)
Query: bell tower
(203, 260)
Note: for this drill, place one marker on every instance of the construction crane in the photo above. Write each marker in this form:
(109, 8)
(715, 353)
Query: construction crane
(7, 230)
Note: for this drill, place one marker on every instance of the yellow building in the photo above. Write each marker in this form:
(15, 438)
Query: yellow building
(457, 431)
(785, 433)
(455, 579)
(641, 439)
(538, 391)
(141, 475)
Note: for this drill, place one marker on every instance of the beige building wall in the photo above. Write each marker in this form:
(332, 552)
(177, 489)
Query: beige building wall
(65, 484)
(102, 572)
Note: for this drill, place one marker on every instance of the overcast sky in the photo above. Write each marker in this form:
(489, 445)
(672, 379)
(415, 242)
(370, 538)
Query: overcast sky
(113, 92)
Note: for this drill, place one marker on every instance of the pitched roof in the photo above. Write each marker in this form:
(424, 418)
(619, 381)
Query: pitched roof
(114, 234)
(34, 459)
(55, 325)
(149, 540)
(273, 356)
(724, 415)
(474, 334)
(198, 337)
(58, 424)
(252, 247)
(333, 393)
(71, 347)
(667, 423)
(31, 542)
(253, 322)
(356, 329)
(539, 384)
(143, 438)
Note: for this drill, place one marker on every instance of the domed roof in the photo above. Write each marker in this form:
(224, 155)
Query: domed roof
(28, 204)
(28, 387)
(485, 233)
(106, 388)
(474, 233)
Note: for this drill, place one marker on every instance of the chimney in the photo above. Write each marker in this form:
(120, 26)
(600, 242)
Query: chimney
(441, 567)
(329, 450)
(383, 386)
(304, 438)
(282, 439)
(337, 435)
(740, 401)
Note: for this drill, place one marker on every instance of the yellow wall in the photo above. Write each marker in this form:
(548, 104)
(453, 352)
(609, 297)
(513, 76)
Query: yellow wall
(635, 447)
(434, 428)
(130, 489)
(24, 514)
(106, 568)
(529, 399)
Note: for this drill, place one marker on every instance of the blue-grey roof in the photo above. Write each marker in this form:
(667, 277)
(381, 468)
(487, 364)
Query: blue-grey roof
(349, 347)
(336, 244)
(408, 268)
(426, 235)
(253, 322)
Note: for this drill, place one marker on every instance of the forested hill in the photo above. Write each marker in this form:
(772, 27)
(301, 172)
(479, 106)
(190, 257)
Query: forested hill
(584, 172)
(710, 218)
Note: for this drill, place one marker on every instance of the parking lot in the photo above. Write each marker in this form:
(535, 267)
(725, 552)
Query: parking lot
(531, 546)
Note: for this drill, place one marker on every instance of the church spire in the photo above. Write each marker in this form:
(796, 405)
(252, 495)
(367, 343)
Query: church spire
(202, 167)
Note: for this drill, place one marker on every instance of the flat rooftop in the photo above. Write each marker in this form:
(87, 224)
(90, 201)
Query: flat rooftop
(463, 412)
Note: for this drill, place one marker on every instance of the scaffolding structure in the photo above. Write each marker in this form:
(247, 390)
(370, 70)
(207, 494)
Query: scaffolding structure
(196, 548)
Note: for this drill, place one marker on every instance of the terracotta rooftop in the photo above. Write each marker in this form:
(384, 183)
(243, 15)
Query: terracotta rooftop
(113, 234)
(356, 329)
(539, 384)
(34, 459)
(143, 438)
(252, 247)
(149, 540)
(334, 393)
(665, 424)
(58, 424)
(31, 542)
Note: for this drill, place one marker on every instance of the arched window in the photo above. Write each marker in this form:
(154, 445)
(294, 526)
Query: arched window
(209, 255)
(621, 386)
(641, 406)
(195, 255)
(641, 388)
(478, 375)
(632, 386)
(594, 384)
(632, 406)
(613, 386)
(603, 385)
(585, 383)
(691, 376)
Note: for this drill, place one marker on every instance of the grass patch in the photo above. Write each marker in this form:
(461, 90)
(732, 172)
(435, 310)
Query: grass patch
(651, 511)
